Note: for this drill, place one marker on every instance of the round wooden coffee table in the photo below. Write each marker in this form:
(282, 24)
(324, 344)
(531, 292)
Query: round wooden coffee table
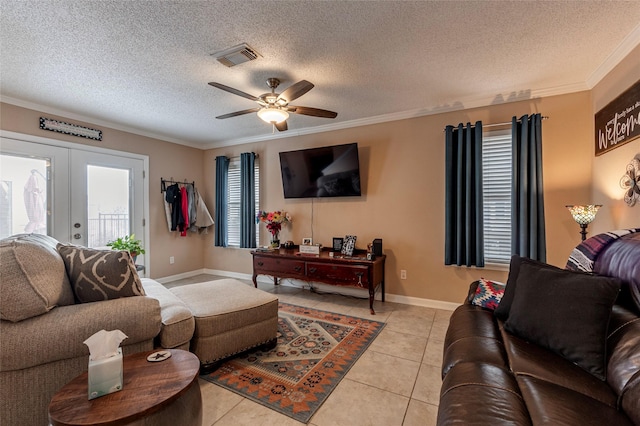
(168, 390)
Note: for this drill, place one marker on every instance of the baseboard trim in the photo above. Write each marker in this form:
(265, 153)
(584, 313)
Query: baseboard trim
(395, 298)
(182, 276)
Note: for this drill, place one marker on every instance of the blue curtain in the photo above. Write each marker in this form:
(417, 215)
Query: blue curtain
(247, 200)
(527, 201)
(222, 178)
(464, 240)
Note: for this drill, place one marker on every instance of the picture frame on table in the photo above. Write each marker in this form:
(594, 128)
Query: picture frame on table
(307, 241)
(349, 245)
(337, 243)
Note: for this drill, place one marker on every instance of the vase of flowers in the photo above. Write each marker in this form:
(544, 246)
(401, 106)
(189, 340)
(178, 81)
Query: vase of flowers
(274, 221)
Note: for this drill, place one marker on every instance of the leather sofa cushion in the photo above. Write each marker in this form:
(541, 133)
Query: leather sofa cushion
(481, 394)
(33, 279)
(471, 321)
(475, 337)
(529, 359)
(623, 369)
(554, 405)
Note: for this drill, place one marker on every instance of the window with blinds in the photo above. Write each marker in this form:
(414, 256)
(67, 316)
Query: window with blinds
(233, 212)
(496, 175)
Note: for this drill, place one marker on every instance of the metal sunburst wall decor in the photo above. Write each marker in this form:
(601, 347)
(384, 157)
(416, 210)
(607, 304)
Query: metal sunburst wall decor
(630, 182)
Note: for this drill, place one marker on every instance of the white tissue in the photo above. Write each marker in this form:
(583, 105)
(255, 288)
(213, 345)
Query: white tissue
(104, 344)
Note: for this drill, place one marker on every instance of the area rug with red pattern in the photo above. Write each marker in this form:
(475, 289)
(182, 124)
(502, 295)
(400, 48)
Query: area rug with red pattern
(315, 351)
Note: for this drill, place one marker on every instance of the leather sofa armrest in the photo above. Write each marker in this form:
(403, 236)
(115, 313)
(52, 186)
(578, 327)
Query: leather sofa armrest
(472, 291)
(60, 333)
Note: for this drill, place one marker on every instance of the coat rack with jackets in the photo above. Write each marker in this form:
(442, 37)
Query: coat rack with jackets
(184, 207)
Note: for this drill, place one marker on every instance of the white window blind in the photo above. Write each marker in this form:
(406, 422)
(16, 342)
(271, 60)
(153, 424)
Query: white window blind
(233, 215)
(496, 174)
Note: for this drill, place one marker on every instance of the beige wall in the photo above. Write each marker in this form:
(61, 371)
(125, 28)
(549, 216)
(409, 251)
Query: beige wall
(608, 168)
(402, 167)
(402, 170)
(165, 160)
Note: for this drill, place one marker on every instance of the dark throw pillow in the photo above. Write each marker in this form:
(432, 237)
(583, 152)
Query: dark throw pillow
(564, 311)
(502, 311)
(488, 294)
(97, 275)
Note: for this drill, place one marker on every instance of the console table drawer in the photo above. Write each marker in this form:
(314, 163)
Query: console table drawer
(281, 266)
(352, 275)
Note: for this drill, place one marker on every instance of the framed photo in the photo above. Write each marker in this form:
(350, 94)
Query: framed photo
(337, 244)
(349, 245)
(307, 242)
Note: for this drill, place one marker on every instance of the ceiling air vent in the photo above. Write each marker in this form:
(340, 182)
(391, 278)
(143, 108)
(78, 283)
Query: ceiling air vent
(236, 55)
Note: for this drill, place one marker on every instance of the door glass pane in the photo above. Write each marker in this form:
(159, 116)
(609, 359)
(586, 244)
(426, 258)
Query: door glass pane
(107, 204)
(23, 195)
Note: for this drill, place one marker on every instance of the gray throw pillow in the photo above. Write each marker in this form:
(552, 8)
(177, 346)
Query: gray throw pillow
(97, 275)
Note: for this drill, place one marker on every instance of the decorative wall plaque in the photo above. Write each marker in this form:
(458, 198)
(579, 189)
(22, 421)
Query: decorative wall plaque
(619, 121)
(70, 129)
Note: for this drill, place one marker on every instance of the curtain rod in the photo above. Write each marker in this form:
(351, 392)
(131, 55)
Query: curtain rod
(544, 117)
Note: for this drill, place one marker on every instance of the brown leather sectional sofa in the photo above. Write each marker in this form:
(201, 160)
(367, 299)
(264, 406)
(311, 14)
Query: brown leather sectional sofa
(494, 377)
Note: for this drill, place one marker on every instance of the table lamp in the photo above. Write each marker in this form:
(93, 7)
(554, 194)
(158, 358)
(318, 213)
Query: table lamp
(584, 215)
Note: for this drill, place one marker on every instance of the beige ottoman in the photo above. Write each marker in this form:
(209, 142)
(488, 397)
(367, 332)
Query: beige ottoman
(230, 318)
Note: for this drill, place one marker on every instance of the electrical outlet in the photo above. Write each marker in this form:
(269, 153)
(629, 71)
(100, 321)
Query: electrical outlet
(403, 274)
(172, 260)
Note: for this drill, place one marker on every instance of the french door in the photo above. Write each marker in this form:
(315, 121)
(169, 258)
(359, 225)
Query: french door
(80, 196)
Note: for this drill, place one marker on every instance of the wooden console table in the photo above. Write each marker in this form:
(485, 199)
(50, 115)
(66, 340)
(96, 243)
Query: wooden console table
(353, 271)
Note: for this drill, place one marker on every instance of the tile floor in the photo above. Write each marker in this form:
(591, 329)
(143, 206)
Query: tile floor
(395, 382)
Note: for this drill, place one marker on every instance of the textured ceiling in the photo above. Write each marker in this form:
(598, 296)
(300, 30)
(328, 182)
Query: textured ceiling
(144, 66)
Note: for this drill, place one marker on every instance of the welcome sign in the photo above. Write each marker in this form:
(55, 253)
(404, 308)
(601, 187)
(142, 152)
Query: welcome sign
(618, 122)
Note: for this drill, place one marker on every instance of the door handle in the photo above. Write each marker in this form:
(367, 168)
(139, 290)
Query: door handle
(77, 236)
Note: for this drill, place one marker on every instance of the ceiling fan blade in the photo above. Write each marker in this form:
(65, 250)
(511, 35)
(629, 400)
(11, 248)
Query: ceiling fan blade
(296, 90)
(281, 126)
(237, 113)
(232, 90)
(315, 112)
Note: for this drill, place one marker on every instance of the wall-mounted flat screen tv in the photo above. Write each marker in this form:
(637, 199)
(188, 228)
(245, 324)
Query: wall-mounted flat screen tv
(330, 171)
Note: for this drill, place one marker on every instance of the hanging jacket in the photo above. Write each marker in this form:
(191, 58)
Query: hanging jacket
(192, 208)
(203, 218)
(174, 198)
(184, 207)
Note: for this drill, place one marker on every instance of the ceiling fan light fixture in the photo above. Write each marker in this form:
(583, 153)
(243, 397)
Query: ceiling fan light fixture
(273, 115)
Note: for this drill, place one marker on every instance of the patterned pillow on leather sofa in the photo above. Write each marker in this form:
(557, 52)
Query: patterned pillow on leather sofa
(97, 275)
(488, 294)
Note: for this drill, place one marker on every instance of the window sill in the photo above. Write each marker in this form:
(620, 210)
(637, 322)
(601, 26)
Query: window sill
(487, 267)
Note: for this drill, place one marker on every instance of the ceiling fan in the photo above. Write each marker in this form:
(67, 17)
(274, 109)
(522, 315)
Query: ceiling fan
(274, 107)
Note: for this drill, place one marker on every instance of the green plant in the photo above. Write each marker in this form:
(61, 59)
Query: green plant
(128, 243)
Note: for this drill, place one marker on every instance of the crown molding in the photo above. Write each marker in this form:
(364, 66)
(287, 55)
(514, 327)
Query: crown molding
(477, 101)
(92, 120)
(630, 42)
(467, 103)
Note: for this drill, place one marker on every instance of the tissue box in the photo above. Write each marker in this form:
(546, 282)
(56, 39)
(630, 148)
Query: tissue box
(105, 375)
